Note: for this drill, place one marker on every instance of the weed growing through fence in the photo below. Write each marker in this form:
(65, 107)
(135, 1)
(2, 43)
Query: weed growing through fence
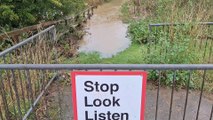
(21, 87)
(181, 44)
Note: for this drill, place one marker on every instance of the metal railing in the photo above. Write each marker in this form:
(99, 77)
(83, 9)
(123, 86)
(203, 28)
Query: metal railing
(176, 24)
(193, 39)
(85, 14)
(55, 100)
(21, 90)
(34, 86)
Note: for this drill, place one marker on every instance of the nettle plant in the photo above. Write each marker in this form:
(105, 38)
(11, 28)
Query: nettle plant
(171, 47)
(168, 78)
(139, 33)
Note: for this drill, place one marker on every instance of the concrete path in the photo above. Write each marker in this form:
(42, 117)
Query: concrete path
(163, 106)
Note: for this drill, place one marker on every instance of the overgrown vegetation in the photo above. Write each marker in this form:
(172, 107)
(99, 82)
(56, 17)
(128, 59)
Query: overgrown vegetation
(19, 13)
(187, 42)
(20, 88)
(17, 82)
(184, 43)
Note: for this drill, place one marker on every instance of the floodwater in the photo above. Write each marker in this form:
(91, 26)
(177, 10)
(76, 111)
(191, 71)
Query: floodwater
(105, 32)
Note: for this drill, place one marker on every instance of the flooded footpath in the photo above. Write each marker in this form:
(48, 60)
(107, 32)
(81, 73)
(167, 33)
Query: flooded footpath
(106, 34)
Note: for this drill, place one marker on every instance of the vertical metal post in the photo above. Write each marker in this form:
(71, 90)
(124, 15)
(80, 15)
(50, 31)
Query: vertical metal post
(158, 94)
(201, 94)
(10, 87)
(59, 101)
(4, 99)
(211, 114)
(172, 94)
(30, 90)
(204, 54)
(187, 95)
(88, 14)
(210, 52)
(16, 94)
(54, 34)
(22, 90)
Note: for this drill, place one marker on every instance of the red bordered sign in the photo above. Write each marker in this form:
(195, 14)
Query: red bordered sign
(109, 95)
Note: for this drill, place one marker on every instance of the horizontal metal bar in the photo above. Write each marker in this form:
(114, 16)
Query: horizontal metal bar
(24, 42)
(107, 66)
(169, 24)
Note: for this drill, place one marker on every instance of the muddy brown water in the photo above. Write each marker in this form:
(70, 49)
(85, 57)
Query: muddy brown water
(106, 34)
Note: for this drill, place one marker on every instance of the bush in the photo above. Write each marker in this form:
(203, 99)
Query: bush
(138, 31)
(20, 13)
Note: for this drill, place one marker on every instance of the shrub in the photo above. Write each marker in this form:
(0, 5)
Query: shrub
(138, 31)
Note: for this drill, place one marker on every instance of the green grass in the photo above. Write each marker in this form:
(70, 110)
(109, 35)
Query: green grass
(132, 55)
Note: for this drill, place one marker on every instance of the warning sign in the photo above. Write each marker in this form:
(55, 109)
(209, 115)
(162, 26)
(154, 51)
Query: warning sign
(109, 95)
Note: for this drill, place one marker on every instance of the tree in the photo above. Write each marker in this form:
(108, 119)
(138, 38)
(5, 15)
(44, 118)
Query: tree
(19, 13)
